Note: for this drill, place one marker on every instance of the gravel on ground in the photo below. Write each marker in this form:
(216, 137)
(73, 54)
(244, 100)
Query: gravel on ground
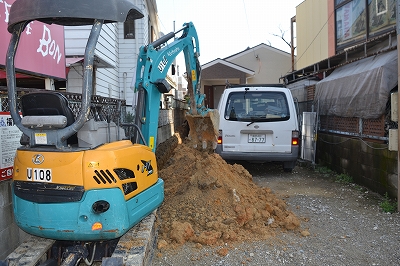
(341, 224)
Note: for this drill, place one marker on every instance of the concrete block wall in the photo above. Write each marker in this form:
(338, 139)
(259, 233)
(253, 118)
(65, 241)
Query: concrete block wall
(164, 133)
(369, 164)
(168, 121)
(165, 125)
(10, 235)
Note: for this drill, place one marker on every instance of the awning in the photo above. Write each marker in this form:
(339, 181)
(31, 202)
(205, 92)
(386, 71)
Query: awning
(17, 75)
(72, 60)
(359, 89)
(99, 62)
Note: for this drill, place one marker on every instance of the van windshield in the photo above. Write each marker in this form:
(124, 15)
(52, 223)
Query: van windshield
(257, 106)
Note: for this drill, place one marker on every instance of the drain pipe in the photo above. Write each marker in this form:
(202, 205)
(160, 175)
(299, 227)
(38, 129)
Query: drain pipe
(137, 47)
(125, 75)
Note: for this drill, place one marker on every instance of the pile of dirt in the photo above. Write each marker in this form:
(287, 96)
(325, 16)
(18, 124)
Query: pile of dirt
(210, 202)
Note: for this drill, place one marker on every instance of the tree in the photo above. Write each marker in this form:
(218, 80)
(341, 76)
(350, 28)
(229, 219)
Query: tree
(282, 36)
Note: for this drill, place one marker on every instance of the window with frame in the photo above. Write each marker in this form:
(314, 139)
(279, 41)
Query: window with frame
(358, 20)
(382, 15)
(257, 106)
(129, 29)
(350, 22)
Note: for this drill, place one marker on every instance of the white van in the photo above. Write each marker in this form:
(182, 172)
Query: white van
(258, 124)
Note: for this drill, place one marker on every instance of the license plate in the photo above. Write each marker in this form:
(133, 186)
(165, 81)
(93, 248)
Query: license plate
(256, 138)
(39, 175)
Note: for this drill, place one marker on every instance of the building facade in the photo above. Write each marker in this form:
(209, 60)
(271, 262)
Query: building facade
(346, 71)
(261, 64)
(116, 53)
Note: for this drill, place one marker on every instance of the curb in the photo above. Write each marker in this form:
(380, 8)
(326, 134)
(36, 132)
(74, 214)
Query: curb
(137, 246)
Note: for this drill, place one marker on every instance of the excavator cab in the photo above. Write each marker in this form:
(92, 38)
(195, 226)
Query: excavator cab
(66, 187)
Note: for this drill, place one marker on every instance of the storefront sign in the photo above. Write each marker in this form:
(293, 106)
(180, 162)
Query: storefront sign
(41, 49)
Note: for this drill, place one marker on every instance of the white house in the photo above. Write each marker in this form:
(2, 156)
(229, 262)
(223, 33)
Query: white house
(116, 53)
(261, 64)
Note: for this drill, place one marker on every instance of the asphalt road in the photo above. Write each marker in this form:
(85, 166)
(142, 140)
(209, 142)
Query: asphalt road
(345, 222)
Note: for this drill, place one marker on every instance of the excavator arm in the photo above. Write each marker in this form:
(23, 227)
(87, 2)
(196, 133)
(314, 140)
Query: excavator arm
(153, 64)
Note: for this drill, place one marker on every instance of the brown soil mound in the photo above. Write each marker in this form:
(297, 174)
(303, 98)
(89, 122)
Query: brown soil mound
(208, 201)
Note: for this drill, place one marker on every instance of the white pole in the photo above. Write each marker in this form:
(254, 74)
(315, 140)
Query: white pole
(398, 101)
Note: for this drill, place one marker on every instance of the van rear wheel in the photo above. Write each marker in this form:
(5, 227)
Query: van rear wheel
(288, 170)
(288, 166)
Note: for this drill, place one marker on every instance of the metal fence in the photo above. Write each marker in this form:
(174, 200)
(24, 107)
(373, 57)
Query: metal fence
(353, 126)
(102, 108)
(110, 110)
(377, 129)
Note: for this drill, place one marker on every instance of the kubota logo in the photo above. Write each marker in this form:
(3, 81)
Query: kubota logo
(161, 66)
(38, 159)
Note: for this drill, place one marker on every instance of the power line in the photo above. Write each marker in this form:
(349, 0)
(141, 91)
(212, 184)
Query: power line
(248, 26)
(351, 138)
(174, 16)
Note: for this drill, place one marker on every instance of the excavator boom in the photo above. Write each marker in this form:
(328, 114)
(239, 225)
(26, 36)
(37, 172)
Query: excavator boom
(153, 63)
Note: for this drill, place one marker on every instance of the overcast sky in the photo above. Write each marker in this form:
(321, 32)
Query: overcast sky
(226, 27)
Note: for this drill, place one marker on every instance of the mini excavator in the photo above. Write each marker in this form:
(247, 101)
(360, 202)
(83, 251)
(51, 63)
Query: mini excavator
(78, 185)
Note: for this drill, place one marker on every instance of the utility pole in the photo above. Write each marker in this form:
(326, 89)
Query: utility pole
(292, 21)
(398, 101)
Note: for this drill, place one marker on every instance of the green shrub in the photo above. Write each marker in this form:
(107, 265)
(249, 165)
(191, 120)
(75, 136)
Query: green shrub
(388, 205)
(129, 117)
(344, 179)
(324, 170)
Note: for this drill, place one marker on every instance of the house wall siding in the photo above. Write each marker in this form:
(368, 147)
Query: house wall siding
(220, 71)
(268, 64)
(107, 83)
(128, 53)
(107, 45)
(75, 40)
(106, 50)
(119, 53)
(312, 31)
(75, 78)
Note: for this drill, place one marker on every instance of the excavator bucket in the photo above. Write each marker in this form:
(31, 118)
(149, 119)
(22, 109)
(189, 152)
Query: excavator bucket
(203, 130)
(203, 122)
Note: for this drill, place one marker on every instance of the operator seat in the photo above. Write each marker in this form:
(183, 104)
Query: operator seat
(48, 103)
